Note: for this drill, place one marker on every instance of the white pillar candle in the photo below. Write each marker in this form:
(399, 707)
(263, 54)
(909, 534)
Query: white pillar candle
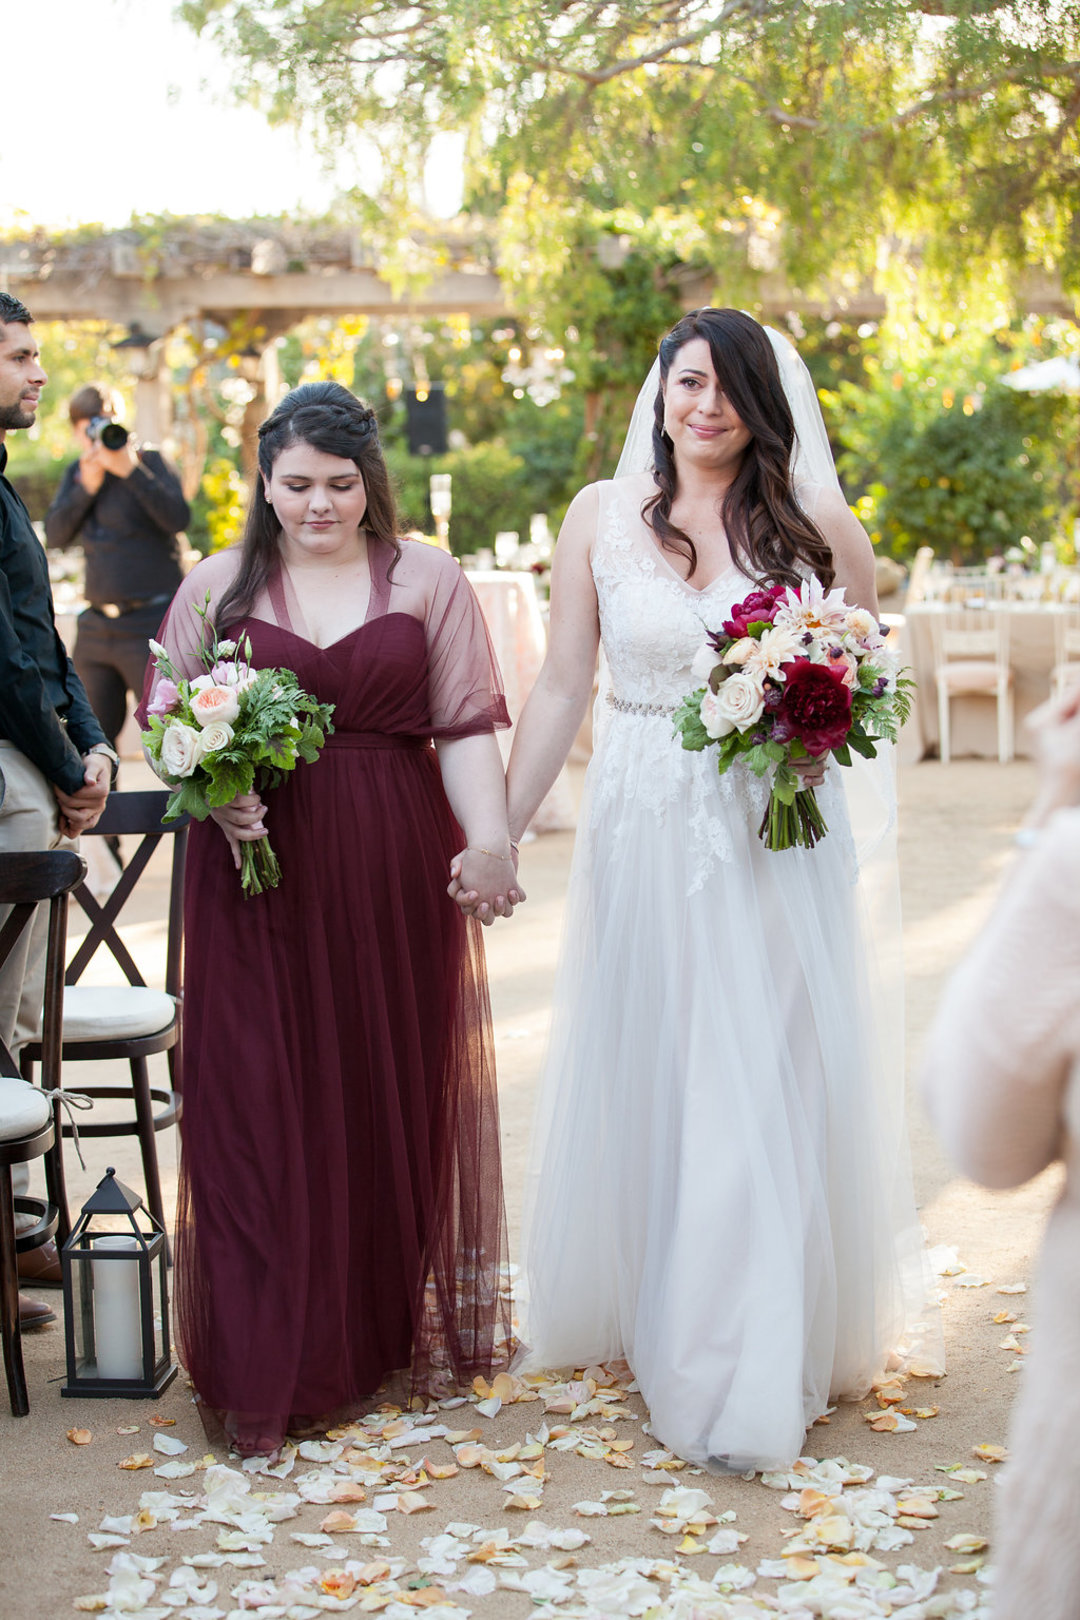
(117, 1318)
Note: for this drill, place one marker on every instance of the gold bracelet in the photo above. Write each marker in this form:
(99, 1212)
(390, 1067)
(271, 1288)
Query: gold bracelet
(477, 849)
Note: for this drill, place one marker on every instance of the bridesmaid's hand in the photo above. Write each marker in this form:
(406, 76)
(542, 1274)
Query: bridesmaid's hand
(811, 770)
(242, 822)
(485, 886)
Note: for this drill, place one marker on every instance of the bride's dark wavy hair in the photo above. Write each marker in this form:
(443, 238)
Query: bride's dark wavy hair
(767, 530)
(329, 418)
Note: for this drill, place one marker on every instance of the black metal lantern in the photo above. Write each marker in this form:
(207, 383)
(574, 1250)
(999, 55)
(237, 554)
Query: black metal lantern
(116, 1298)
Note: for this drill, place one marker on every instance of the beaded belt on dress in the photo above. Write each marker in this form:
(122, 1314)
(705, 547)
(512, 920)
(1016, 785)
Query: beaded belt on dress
(628, 706)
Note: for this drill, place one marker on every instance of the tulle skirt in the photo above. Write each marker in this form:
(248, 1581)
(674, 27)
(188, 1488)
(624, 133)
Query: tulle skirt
(340, 1211)
(720, 1189)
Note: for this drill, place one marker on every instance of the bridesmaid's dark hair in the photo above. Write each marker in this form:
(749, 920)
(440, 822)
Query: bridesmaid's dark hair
(329, 418)
(767, 530)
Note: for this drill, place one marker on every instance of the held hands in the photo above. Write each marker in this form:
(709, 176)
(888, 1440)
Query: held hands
(241, 822)
(80, 811)
(485, 885)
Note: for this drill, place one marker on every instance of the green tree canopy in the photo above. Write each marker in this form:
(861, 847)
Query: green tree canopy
(826, 138)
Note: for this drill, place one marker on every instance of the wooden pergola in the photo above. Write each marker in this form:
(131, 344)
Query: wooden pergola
(274, 274)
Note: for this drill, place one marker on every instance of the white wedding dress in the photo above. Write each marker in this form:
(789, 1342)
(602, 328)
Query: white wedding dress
(720, 1189)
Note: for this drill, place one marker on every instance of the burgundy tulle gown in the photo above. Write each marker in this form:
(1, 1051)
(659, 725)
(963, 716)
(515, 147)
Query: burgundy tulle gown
(340, 1211)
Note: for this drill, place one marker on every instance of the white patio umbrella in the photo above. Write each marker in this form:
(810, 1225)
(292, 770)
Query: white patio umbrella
(1059, 375)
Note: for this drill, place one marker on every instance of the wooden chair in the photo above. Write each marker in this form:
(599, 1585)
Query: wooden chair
(28, 1119)
(971, 657)
(1066, 671)
(128, 1021)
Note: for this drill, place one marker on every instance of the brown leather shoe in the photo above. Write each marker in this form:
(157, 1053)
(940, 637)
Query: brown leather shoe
(34, 1313)
(41, 1266)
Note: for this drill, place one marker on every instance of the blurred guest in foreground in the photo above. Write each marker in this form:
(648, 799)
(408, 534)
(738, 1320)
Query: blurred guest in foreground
(1002, 1081)
(55, 765)
(127, 508)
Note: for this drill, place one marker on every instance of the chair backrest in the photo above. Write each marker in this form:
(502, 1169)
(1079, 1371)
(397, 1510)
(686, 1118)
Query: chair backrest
(26, 879)
(1066, 635)
(138, 813)
(974, 633)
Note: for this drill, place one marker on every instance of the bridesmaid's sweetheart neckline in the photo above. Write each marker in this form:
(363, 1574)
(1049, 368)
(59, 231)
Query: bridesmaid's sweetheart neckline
(330, 645)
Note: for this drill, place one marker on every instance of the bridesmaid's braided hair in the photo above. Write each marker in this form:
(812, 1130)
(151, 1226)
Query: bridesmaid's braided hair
(329, 418)
(767, 530)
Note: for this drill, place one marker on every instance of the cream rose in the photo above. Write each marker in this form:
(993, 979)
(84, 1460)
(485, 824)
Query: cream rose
(705, 661)
(214, 737)
(740, 650)
(215, 703)
(740, 702)
(862, 625)
(180, 749)
(716, 724)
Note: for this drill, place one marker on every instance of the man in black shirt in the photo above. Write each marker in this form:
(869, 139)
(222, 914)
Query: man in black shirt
(128, 510)
(55, 763)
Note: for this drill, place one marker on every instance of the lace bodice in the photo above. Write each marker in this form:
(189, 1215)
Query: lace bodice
(652, 624)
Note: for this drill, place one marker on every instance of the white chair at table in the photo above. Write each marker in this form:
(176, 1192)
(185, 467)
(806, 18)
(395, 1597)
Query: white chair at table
(1066, 670)
(971, 658)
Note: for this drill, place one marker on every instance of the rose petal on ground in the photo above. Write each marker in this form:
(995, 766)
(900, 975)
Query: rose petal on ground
(970, 1279)
(141, 1459)
(966, 1543)
(128, 1428)
(169, 1445)
(79, 1437)
(990, 1454)
(1012, 1288)
(160, 1422)
(65, 1518)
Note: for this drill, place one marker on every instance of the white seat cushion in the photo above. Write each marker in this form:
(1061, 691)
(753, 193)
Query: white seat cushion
(23, 1109)
(115, 1012)
(969, 675)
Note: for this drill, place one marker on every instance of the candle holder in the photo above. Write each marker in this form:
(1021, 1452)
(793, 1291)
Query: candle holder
(116, 1298)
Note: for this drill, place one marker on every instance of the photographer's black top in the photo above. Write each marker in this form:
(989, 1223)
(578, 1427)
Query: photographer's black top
(129, 530)
(43, 708)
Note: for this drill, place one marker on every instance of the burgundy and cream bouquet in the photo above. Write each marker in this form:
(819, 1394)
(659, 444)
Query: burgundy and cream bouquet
(233, 729)
(791, 675)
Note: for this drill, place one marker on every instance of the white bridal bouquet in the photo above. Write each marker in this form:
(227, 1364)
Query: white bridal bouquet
(791, 674)
(233, 730)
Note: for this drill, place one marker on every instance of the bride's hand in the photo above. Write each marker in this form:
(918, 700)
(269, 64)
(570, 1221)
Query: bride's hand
(485, 886)
(241, 821)
(811, 769)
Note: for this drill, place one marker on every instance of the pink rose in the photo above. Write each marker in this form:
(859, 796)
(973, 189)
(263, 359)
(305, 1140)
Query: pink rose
(165, 697)
(215, 703)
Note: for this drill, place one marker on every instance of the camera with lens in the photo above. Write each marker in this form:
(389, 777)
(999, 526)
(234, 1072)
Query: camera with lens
(109, 434)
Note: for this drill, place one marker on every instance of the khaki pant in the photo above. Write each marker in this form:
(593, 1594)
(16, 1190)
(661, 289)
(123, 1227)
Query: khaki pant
(29, 821)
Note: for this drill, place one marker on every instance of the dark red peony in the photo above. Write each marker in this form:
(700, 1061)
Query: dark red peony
(759, 606)
(815, 707)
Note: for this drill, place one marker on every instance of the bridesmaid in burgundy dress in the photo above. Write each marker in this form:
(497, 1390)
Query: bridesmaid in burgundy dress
(341, 1209)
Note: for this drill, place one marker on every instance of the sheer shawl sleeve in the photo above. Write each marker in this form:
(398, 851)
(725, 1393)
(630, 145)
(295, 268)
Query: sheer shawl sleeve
(465, 689)
(181, 632)
(1007, 1033)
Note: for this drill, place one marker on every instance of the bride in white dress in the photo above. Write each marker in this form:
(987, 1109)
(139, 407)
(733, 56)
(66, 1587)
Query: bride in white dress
(720, 1189)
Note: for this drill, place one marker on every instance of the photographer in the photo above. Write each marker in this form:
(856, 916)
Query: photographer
(128, 509)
